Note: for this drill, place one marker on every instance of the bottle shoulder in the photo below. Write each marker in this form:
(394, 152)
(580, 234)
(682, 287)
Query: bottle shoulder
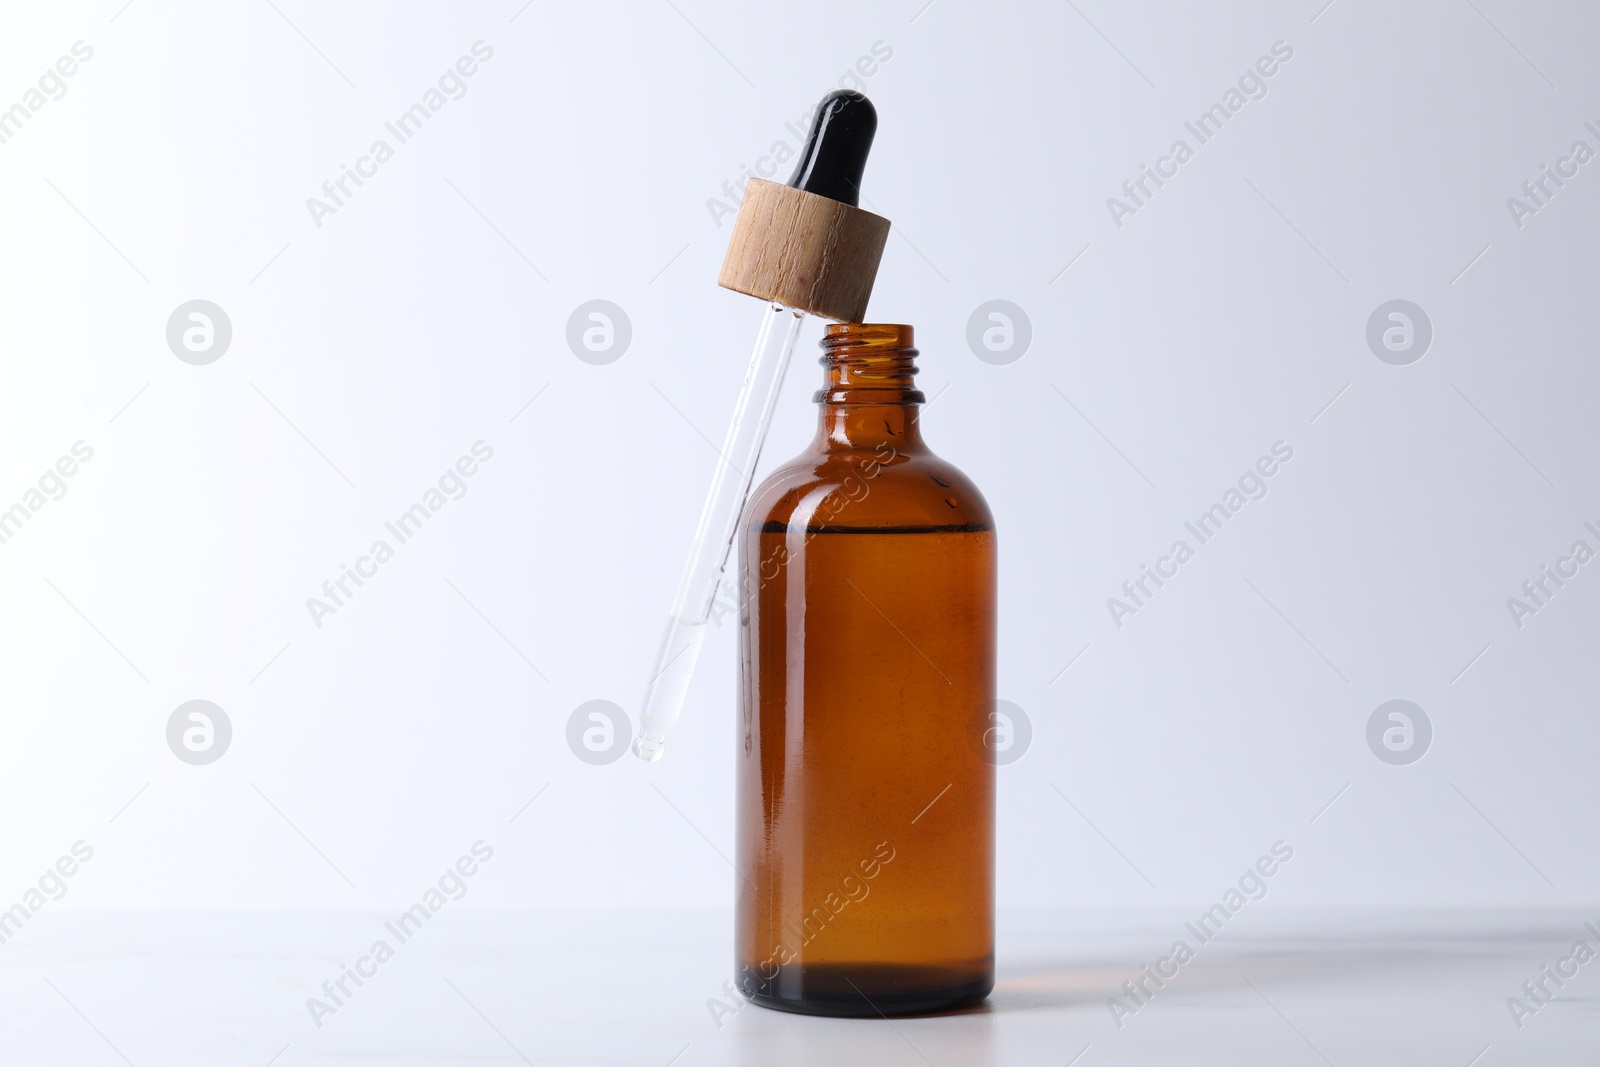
(881, 487)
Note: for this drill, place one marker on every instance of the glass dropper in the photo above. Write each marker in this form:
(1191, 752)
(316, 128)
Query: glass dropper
(804, 247)
(719, 520)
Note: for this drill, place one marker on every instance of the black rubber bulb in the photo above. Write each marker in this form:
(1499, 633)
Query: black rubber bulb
(836, 149)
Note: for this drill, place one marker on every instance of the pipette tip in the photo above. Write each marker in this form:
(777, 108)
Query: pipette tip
(648, 749)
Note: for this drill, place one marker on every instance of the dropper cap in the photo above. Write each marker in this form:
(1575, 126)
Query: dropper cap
(806, 245)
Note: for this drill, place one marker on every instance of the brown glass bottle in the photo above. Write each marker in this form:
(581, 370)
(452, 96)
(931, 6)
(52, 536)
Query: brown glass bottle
(865, 838)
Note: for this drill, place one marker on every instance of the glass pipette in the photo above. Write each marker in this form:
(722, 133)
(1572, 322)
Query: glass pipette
(719, 521)
(804, 247)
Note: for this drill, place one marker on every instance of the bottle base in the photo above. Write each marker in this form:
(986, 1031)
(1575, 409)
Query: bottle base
(870, 991)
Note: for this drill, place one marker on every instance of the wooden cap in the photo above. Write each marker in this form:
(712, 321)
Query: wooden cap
(804, 251)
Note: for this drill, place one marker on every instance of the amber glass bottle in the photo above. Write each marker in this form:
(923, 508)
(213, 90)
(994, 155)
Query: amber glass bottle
(866, 804)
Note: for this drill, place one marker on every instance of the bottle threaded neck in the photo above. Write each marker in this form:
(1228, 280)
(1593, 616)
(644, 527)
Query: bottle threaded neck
(868, 363)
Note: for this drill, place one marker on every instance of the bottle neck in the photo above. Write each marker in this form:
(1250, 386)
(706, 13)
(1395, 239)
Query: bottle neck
(869, 396)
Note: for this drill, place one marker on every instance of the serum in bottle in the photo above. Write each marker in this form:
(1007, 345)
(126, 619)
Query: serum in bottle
(865, 820)
(866, 579)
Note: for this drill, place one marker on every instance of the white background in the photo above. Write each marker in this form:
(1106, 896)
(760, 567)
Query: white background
(369, 353)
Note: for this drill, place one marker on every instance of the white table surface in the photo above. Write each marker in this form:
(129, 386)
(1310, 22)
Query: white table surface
(1275, 987)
